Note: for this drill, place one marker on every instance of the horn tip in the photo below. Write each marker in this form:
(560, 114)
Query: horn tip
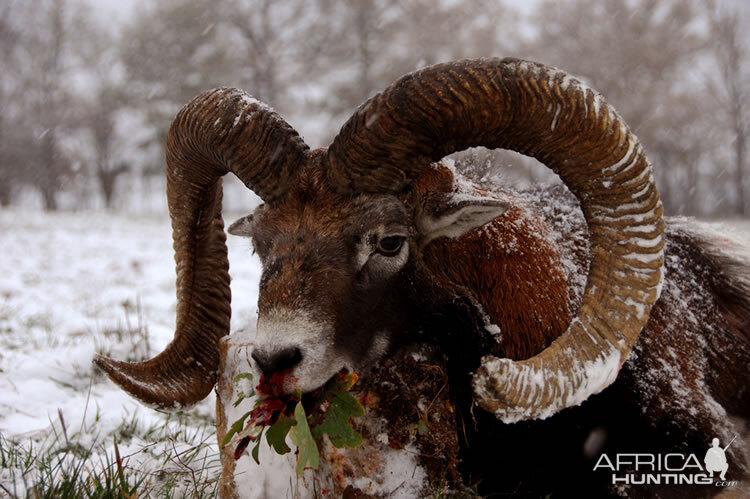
(151, 393)
(104, 363)
(117, 372)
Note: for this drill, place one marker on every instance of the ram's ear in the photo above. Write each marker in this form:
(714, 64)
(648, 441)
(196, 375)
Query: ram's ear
(453, 215)
(242, 227)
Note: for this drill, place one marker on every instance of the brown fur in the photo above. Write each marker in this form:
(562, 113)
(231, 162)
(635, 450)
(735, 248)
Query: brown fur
(307, 218)
(512, 272)
(507, 267)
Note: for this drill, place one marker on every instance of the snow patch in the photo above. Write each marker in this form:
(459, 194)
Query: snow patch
(401, 475)
(493, 329)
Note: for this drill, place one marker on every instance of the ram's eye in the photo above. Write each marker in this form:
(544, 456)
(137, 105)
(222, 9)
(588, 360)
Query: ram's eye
(390, 246)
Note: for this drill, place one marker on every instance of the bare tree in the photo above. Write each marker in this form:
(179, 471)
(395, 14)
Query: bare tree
(258, 25)
(9, 38)
(730, 85)
(50, 165)
(101, 121)
(377, 41)
(172, 51)
(43, 63)
(100, 110)
(637, 54)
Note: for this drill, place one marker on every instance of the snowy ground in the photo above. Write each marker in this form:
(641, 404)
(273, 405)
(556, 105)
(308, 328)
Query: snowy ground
(76, 284)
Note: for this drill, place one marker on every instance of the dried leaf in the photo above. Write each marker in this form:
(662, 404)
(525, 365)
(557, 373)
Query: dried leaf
(244, 442)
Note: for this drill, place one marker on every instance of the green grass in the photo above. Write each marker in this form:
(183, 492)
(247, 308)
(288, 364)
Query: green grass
(177, 458)
(171, 455)
(53, 317)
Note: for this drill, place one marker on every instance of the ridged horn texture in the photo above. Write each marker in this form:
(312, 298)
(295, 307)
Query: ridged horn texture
(544, 113)
(219, 131)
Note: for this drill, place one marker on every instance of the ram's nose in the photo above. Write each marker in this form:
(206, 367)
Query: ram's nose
(271, 362)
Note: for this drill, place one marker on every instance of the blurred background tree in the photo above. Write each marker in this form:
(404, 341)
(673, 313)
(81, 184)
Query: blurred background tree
(86, 98)
(637, 55)
(730, 87)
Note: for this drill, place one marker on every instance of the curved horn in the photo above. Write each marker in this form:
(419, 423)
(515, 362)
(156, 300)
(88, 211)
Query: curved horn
(219, 131)
(544, 113)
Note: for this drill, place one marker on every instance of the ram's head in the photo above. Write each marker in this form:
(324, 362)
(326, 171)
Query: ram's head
(341, 231)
